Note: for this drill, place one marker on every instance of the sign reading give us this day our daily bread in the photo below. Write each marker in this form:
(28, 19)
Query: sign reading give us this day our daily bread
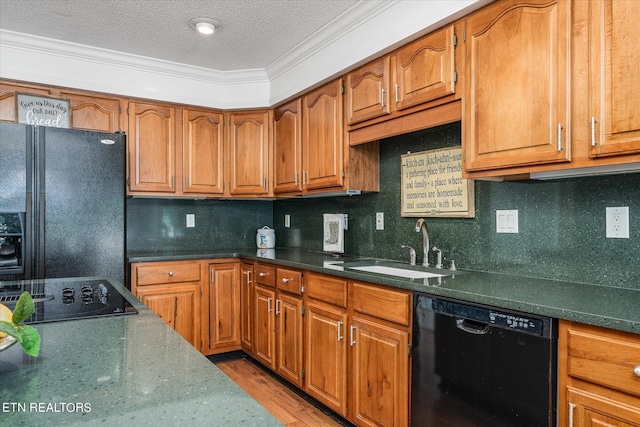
(432, 184)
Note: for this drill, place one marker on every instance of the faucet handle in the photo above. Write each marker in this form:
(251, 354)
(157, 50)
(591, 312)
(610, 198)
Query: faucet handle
(453, 265)
(412, 254)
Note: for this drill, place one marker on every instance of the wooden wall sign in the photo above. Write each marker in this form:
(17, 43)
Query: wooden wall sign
(43, 111)
(432, 184)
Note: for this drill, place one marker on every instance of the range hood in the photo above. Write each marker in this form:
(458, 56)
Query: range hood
(590, 171)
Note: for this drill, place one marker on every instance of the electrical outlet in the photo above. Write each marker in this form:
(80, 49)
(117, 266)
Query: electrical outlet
(507, 221)
(618, 222)
(287, 220)
(191, 220)
(380, 221)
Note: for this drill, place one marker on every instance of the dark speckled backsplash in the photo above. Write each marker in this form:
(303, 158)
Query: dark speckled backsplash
(561, 223)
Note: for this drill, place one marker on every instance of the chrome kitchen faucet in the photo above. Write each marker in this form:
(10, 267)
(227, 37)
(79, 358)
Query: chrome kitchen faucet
(421, 225)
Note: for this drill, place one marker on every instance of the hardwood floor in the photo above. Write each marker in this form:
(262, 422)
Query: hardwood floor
(284, 404)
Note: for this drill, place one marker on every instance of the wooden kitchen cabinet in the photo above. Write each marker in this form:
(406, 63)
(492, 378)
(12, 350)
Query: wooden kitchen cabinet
(223, 309)
(614, 71)
(323, 137)
(289, 325)
(379, 337)
(202, 152)
(368, 91)
(246, 306)
(174, 151)
(172, 290)
(517, 97)
(264, 331)
(249, 153)
(287, 147)
(598, 375)
(152, 148)
(326, 355)
(87, 111)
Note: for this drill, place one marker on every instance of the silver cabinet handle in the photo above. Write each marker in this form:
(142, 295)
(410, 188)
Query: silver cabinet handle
(593, 132)
(269, 304)
(277, 306)
(382, 98)
(351, 336)
(171, 274)
(560, 136)
(186, 182)
(340, 337)
(397, 89)
(261, 274)
(285, 280)
(248, 273)
(213, 276)
(636, 370)
(572, 406)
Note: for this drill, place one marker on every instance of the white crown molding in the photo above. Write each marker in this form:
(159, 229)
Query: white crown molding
(367, 29)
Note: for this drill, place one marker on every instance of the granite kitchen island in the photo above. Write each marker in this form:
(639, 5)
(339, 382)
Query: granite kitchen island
(123, 370)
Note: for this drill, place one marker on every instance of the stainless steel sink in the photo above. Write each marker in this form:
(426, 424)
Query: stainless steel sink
(398, 272)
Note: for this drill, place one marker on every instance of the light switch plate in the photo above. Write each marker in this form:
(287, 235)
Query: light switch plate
(507, 221)
(287, 220)
(191, 220)
(618, 222)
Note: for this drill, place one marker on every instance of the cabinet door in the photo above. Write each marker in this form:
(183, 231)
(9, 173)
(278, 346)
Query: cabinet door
(224, 307)
(289, 333)
(93, 113)
(326, 355)
(177, 305)
(249, 153)
(517, 109)
(380, 374)
(287, 147)
(8, 101)
(152, 148)
(425, 69)
(368, 91)
(322, 137)
(264, 344)
(202, 148)
(588, 410)
(614, 70)
(246, 307)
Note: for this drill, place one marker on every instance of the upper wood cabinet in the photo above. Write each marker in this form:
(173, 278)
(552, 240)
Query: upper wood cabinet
(614, 72)
(425, 69)
(323, 137)
(203, 153)
(249, 153)
(87, 111)
(287, 147)
(368, 92)
(517, 109)
(152, 148)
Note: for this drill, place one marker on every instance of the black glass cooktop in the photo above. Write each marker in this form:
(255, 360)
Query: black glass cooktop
(57, 300)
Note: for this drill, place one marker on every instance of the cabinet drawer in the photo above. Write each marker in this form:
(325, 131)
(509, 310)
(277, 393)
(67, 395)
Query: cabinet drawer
(167, 272)
(289, 280)
(328, 289)
(604, 357)
(383, 303)
(265, 275)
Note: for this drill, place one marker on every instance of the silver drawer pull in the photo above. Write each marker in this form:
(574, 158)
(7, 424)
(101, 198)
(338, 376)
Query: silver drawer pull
(636, 370)
(269, 304)
(171, 274)
(262, 274)
(352, 339)
(340, 337)
(285, 280)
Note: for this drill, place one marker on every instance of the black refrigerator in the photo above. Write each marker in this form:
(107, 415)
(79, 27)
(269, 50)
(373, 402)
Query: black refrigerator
(66, 188)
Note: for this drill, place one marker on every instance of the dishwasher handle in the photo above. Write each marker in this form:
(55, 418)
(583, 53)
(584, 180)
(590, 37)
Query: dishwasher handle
(471, 327)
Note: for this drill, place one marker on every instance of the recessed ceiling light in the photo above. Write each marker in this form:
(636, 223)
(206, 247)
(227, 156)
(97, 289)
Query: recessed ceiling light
(204, 25)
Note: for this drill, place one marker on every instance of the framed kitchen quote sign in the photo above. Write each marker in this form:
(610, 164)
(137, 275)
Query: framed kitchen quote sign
(43, 111)
(432, 185)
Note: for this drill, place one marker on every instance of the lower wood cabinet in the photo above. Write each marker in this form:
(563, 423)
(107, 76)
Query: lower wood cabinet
(264, 341)
(172, 290)
(246, 307)
(222, 310)
(599, 376)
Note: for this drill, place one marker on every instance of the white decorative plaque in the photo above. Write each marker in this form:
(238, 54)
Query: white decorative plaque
(43, 111)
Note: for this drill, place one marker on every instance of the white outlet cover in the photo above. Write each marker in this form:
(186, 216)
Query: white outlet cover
(617, 222)
(507, 221)
(287, 220)
(379, 220)
(191, 220)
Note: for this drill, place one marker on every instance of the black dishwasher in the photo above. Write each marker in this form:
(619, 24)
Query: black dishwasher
(475, 365)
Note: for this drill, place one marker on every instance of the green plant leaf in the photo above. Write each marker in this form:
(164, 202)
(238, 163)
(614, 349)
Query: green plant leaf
(24, 308)
(10, 329)
(30, 340)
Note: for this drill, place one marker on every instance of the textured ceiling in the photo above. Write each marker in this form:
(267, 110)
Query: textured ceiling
(252, 33)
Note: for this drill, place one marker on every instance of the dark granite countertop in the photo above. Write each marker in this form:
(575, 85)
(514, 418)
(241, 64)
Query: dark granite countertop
(116, 371)
(595, 304)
